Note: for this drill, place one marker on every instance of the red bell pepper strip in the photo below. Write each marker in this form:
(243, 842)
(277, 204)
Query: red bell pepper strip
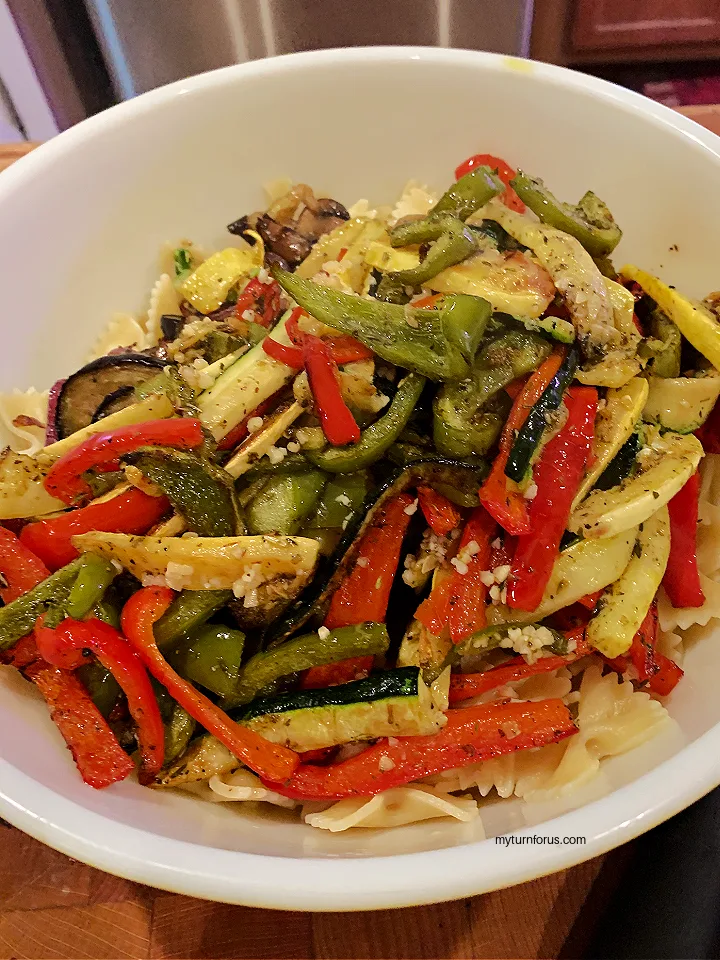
(65, 479)
(441, 514)
(576, 615)
(98, 755)
(20, 568)
(466, 685)
(285, 353)
(64, 648)
(660, 672)
(333, 674)
(346, 349)
(501, 497)
(254, 291)
(681, 579)
(468, 594)
(129, 512)
(338, 423)
(558, 475)
(428, 303)
(668, 676)
(504, 171)
(433, 611)
(138, 616)
(22, 654)
(238, 433)
(363, 595)
(470, 735)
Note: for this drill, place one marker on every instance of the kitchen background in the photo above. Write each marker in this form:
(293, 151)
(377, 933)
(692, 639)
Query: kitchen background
(62, 60)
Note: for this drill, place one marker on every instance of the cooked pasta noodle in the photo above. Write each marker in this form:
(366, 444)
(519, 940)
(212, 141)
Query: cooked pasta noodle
(23, 418)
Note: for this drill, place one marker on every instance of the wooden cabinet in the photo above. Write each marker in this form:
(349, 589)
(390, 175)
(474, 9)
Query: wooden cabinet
(613, 24)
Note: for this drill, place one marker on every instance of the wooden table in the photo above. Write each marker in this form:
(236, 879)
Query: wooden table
(52, 906)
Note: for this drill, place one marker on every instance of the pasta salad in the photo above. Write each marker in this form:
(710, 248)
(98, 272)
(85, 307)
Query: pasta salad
(373, 512)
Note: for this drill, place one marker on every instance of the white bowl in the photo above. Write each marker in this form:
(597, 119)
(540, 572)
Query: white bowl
(80, 224)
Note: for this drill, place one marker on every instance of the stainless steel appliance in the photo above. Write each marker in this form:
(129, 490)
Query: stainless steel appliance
(150, 42)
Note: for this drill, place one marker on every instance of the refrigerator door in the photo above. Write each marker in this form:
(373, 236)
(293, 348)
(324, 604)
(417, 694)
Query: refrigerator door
(149, 44)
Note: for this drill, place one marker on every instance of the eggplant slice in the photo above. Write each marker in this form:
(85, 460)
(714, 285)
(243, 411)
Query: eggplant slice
(96, 389)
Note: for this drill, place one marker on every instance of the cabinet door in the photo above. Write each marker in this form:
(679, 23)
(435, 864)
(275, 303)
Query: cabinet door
(607, 24)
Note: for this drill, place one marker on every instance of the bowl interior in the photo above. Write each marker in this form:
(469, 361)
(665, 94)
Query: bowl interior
(82, 221)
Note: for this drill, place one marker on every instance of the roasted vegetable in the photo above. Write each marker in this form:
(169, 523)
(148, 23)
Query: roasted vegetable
(378, 437)
(285, 502)
(272, 564)
(614, 426)
(187, 613)
(696, 322)
(389, 704)
(590, 221)
(681, 404)
(84, 392)
(664, 469)
(200, 492)
(210, 657)
(623, 607)
(439, 345)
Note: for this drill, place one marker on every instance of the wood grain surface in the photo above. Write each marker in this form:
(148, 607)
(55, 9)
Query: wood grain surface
(52, 906)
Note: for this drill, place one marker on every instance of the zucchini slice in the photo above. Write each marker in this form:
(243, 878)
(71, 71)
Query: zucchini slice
(276, 565)
(22, 493)
(624, 606)
(665, 467)
(614, 426)
(395, 703)
(583, 568)
(247, 383)
(84, 392)
(681, 404)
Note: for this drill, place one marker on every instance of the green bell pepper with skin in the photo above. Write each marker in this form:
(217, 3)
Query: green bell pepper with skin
(284, 502)
(49, 597)
(665, 346)
(101, 685)
(94, 577)
(342, 496)
(310, 650)
(463, 423)
(590, 221)
(203, 494)
(434, 343)
(469, 193)
(210, 657)
(453, 242)
(378, 437)
(179, 730)
(188, 611)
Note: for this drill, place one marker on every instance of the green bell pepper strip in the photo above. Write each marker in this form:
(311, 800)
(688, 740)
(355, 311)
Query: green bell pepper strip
(94, 577)
(284, 502)
(179, 730)
(461, 427)
(463, 423)
(202, 494)
(101, 685)
(49, 598)
(310, 650)
(376, 439)
(665, 336)
(210, 657)
(342, 496)
(434, 343)
(590, 221)
(188, 611)
(469, 193)
(453, 243)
